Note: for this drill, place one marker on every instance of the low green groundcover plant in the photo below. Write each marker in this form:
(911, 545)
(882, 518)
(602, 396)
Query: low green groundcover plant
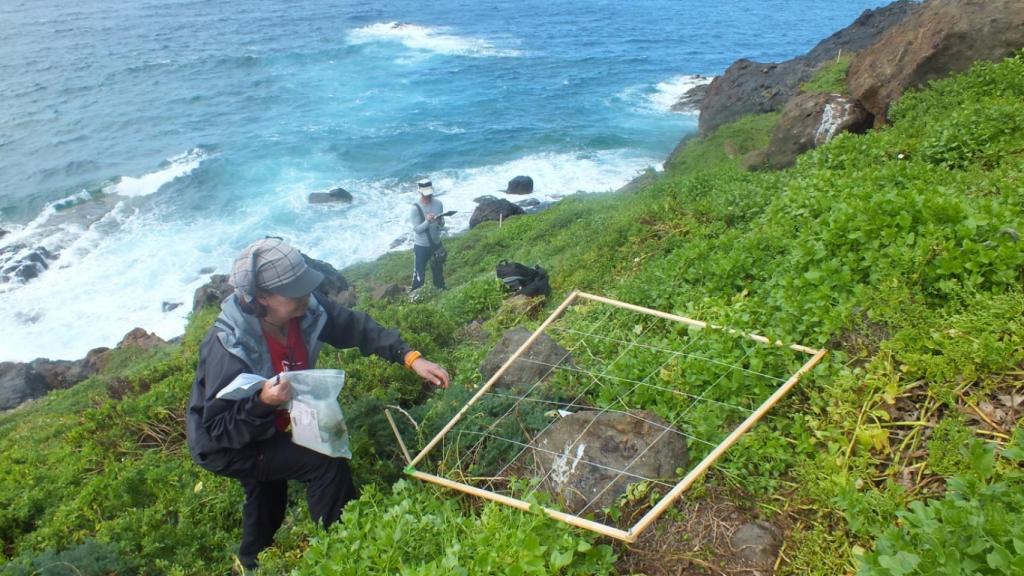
(418, 531)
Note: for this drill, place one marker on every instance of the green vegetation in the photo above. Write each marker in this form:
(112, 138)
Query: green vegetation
(899, 250)
(830, 77)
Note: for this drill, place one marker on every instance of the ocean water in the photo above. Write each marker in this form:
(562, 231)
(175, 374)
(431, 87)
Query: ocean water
(142, 144)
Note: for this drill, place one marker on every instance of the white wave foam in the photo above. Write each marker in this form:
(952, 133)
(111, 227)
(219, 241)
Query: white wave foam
(666, 94)
(149, 183)
(430, 39)
(115, 272)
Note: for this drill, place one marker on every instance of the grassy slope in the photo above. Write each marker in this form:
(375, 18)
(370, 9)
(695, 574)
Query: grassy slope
(897, 249)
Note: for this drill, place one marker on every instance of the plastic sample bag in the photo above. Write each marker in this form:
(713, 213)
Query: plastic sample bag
(317, 421)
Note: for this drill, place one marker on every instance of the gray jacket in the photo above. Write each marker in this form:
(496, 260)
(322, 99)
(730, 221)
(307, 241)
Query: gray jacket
(217, 429)
(426, 233)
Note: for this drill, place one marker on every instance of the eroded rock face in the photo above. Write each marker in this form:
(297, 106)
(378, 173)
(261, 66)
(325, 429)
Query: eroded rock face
(749, 87)
(581, 455)
(810, 120)
(539, 361)
(943, 37)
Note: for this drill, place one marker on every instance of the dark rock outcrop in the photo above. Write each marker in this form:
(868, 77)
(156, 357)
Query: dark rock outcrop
(749, 87)
(60, 374)
(691, 100)
(808, 121)
(519, 185)
(589, 458)
(334, 286)
(212, 293)
(943, 37)
(491, 208)
(336, 195)
(539, 361)
(19, 383)
(21, 263)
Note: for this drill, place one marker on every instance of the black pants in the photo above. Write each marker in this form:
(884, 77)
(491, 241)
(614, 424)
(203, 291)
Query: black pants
(420, 256)
(264, 474)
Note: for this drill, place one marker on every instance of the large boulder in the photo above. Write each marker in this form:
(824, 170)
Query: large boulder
(519, 185)
(749, 87)
(943, 37)
(491, 208)
(589, 458)
(808, 121)
(19, 383)
(539, 361)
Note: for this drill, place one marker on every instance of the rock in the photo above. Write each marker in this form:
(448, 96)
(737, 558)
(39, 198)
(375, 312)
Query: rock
(21, 263)
(61, 374)
(943, 37)
(3, 232)
(757, 543)
(335, 195)
(166, 306)
(537, 363)
(212, 293)
(691, 100)
(581, 456)
(207, 270)
(491, 208)
(334, 284)
(640, 182)
(96, 359)
(347, 298)
(403, 239)
(387, 292)
(810, 120)
(19, 383)
(473, 332)
(138, 337)
(749, 87)
(519, 185)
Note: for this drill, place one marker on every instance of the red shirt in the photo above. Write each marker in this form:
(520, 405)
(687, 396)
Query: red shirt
(292, 355)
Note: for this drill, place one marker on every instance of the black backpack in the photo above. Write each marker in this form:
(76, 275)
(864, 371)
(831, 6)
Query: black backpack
(521, 279)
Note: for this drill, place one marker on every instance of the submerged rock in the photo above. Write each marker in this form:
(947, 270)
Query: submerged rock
(335, 195)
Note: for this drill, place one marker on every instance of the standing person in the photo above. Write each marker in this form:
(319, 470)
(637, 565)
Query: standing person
(275, 322)
(427, 218)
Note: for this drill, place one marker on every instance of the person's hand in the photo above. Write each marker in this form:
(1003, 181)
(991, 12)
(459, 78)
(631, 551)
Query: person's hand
(431, 372)
(431, 217)
(276, 391)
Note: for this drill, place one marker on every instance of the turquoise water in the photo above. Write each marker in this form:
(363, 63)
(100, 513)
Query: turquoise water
(142, 143)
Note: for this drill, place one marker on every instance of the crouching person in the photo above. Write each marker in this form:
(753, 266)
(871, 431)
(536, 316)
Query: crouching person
(273, 323)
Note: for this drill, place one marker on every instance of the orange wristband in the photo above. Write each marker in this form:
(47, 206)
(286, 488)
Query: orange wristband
(411, 357)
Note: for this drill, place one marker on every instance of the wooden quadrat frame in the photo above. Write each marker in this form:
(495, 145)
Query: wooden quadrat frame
(677, 491)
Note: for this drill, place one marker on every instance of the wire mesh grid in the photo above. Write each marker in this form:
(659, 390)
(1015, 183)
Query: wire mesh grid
(609, 405)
